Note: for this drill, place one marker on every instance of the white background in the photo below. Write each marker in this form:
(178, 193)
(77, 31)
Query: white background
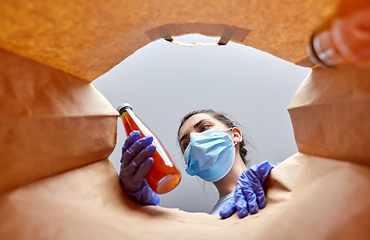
(164, 81)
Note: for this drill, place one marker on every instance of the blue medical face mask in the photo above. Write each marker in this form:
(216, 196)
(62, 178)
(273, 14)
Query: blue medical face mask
(210, 154)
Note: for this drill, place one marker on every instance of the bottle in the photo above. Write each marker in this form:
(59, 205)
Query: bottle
(164, 175)
(344, 38)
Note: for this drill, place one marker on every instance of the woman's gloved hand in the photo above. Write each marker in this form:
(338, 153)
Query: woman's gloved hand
(248, 195)
(136, 162)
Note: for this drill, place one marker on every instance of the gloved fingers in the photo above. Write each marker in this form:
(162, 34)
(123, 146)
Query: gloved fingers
(241, 204)
(261, 199)
(250, 197)
(257, 188)
(144, 169)
(257, 175)
(131, 139)
(135, 150)
(139, 159)
(228, 209)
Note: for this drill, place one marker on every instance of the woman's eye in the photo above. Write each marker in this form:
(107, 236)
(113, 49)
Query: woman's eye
(205, 127)
(185, 146)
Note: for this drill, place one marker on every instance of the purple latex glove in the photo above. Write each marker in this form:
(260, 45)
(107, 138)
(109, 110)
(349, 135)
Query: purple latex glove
(136, 162)
(248, 195)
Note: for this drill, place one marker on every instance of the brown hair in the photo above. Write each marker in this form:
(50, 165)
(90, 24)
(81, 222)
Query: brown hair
(223, 119)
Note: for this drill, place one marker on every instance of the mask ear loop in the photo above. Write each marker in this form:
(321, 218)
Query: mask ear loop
(228, 129)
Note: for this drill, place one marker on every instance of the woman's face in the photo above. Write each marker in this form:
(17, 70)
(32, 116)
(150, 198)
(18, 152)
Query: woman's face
(197, 123)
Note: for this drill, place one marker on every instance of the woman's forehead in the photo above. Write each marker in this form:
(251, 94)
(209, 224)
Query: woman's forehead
(189, 124)
(199, 116)
(196, 118)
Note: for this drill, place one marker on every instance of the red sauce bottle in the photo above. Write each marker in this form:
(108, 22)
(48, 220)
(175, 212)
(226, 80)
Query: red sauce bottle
(344, 38)
(164, 175)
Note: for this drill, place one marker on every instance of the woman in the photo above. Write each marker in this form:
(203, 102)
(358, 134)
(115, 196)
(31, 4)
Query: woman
(214, 150)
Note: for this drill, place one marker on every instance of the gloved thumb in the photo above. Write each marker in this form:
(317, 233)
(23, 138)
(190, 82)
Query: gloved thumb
(260, 171)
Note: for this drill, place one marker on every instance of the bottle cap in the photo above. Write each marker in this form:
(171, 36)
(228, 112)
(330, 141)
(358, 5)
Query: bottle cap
(121, 108)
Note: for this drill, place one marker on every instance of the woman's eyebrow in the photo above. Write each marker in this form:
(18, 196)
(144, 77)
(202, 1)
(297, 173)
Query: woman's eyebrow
(200, 122)
(182, 138)
(195, 126)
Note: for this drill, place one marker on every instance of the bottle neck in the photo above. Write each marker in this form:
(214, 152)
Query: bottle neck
(125, 109)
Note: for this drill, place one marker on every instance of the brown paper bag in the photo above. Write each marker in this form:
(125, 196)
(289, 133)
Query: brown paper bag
(57, 130)
(50, 122)
(307, 198)
(88, 38)
(330, 114)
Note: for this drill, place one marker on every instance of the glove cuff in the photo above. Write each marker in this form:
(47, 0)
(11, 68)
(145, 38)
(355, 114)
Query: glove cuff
(145, 196)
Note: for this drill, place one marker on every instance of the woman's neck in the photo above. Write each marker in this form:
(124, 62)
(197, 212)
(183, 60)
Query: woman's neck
(228, 183)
